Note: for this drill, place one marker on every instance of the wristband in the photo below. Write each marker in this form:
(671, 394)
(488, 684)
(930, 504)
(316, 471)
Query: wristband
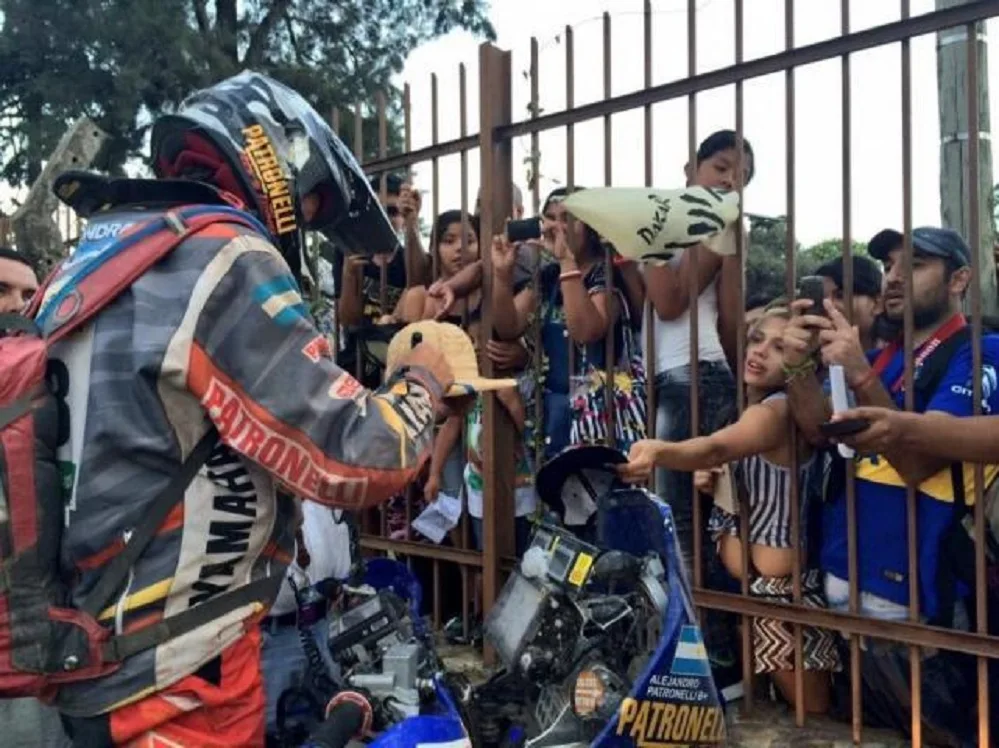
(800, 371)
(866, 380)
(570, 274)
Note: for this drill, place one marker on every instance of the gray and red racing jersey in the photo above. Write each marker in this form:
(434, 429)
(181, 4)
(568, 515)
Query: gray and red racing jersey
(216, 332)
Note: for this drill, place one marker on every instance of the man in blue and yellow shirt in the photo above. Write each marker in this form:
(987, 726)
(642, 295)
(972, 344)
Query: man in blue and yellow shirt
(941, 276)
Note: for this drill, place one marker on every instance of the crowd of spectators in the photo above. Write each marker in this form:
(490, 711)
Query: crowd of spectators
(556, 299)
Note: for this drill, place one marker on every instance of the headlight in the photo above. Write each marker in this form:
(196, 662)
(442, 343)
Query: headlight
(597, 692)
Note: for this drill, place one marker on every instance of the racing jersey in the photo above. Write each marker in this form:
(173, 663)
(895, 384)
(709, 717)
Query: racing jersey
(215, 333)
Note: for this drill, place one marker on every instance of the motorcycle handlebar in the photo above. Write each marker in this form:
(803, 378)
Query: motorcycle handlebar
(344, 721)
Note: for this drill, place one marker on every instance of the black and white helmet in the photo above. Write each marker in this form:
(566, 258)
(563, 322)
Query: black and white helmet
(261, 141)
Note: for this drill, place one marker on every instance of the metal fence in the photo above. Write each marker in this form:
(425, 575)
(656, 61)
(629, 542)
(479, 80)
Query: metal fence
(498, 128)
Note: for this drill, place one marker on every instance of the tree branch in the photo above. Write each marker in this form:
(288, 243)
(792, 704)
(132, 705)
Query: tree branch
(258, 41)
(201, 15)
(226, 23)
(289, 25)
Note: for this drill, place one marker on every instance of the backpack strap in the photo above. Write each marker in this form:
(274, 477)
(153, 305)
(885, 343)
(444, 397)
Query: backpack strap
(935, 366)
(116, 572)
(146, 245)
(261, 590)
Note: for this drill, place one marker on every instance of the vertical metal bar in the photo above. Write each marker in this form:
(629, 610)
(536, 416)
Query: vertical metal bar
(570, 99)
(464, 531)
(358, 133)
(695, 387)
(463, 124)
(651, 404)
(741, 249)
(382, 153)
(435, 168)
(437, 594)
(495, 110)
(335, 126)
(407, 130)
(535, 137)
(537, 364)
(570, 151)
(909, 329)
(609, 342)
(368, 518)
(789, 114)
(975, 240)
(856, 705)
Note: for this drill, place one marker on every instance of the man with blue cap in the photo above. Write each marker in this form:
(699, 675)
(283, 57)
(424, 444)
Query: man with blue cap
(943, 383)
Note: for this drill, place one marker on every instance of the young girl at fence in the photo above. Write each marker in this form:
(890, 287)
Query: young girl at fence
(447, 474)
(575, 311)
(759, 445)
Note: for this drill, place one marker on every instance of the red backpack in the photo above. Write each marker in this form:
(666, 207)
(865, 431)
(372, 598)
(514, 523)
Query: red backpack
(44, 639)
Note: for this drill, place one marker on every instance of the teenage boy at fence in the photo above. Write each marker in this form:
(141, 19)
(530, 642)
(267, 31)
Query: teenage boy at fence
(943, 384)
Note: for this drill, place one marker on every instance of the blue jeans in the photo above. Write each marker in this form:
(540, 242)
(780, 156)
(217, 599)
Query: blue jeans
(717, 408)
(283, 662)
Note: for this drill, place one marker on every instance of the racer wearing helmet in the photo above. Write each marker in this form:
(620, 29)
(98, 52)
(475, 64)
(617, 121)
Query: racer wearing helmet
(217, 334)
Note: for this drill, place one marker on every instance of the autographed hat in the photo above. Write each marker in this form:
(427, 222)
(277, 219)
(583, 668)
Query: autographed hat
(458, 350)
(572, 482)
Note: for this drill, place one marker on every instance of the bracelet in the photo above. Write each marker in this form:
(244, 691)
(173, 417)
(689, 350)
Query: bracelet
(869, 377)
(802, 370)
(570, 274)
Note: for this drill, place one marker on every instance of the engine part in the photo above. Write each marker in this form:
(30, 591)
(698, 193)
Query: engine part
(363, 633)
(529, 614)
(396, 686)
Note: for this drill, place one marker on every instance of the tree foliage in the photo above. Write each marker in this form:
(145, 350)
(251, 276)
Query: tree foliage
(766, 265)
(123, 62)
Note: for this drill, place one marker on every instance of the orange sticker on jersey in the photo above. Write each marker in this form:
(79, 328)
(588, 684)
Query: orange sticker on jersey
(345, 387)
(317, 348)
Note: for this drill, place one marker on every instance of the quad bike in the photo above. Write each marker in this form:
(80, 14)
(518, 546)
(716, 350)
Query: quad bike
(598, 641)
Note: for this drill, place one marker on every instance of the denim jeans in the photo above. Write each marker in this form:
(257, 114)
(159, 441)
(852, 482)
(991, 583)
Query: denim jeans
(283, 662)
(717, 408)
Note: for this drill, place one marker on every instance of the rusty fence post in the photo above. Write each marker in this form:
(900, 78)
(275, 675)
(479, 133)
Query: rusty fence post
(495, 110)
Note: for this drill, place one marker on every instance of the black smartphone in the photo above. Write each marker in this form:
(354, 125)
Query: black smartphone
(523, 230)
(839, 429)
(813, 288)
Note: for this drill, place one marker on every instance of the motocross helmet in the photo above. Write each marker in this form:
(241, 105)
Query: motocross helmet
(259, 140)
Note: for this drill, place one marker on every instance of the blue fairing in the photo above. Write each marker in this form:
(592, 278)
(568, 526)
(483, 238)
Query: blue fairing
(675, 700)
(445, 728)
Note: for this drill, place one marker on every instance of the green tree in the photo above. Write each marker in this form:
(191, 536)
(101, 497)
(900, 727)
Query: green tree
(766, 265)
(123, 62)
(811, 258)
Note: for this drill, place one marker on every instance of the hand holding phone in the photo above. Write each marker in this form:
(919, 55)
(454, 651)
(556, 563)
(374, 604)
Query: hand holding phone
(840, 429)
(523, 230)
(813, 288)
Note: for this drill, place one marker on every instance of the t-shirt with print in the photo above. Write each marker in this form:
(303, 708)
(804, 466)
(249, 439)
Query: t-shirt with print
(555, 333)
(882, 541)
(525, 500)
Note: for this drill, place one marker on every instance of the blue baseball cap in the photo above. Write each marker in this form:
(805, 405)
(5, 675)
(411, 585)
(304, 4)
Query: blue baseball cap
(946, 244)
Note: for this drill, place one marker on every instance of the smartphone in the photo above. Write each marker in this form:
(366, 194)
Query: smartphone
(813, 288)
(524, 230)
(839, 429)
